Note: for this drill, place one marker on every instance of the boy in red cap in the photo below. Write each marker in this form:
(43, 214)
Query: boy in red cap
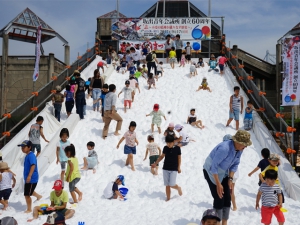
(59, 199)
(156, 119)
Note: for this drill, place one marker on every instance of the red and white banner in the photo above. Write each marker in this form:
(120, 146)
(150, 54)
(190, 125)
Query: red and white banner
(37, 53)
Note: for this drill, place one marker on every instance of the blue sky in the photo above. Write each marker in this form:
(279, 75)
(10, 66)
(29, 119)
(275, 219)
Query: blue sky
(253, 25)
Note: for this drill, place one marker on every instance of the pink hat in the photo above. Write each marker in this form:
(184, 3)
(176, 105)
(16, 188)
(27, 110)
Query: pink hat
(171, 124)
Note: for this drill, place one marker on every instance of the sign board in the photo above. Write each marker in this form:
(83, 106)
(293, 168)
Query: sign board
(158, 28)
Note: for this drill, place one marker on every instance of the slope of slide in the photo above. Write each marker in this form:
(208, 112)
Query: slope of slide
(175, 92)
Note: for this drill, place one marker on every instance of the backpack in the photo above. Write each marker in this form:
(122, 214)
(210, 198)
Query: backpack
(149, 57)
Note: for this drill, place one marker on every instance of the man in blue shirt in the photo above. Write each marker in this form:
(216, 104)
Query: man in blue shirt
(219, 169)
(30, 174)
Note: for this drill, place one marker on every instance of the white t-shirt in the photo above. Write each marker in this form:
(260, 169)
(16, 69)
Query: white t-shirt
(185, 137)
(136, 55)
(108, 193)
(127, 93)
(153, 148)
(6, 181)
(159, 67)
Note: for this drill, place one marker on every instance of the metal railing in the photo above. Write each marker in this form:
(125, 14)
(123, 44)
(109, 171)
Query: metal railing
(275, 122)
(12, 122)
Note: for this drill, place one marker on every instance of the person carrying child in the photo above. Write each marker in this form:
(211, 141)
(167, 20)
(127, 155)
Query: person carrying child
(128, 92)
(236, 105)
(204, 85)
(248, 119)
(172, 165)
(91, 161)
(61, 157)
(182, 60)
(192, 119)
(6, 176)
(36, 131)
(154, 152)
(188, 51)
(73, 174)
(156, 119)
(160, 69)
(184, 138)
(200, 63)
(57, 100)
(59, 199)
(193, 69)
(129, 147)
(69, 100)
(112, 189)
(222, 61)
(272, 199)
(172, 56)
(170, 131)
(151, 81)
(265, 153)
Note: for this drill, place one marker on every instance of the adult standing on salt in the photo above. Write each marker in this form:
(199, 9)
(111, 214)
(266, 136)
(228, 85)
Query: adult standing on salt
(219, 169)
(110, 112)
(178, 46)
(168, 46)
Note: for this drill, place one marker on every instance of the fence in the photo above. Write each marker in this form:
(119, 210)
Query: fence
(274, 119)
(14, 121)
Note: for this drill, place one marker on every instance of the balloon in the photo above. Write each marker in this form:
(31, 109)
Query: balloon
(197, 33)
(196, 46)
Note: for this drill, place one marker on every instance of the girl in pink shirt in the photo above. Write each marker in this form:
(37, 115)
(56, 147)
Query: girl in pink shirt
(129, 147)
(222, 62)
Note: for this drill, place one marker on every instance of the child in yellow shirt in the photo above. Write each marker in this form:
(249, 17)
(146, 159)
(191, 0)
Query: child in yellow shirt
(172, 56)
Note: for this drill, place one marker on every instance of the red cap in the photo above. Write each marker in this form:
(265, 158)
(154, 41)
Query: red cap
(156, 107)
(58, 185)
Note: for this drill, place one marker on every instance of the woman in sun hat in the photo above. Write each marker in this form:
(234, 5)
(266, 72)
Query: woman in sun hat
(219, 169)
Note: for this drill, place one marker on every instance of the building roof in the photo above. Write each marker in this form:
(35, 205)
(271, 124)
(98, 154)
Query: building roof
(112, 14)
(24, 26)
(295, 31)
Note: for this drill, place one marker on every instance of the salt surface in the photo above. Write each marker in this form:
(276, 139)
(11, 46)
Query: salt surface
(176, 92)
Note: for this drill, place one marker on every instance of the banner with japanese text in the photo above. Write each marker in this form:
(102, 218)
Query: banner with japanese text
(159, 28)
(291, 65)
(37, 53)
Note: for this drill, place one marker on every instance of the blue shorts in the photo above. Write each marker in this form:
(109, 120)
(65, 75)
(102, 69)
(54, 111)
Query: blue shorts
(235, 114)
(37, 147)
(129, 150)
(221, 67)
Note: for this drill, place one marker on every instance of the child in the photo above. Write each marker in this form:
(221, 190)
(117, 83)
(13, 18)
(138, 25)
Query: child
(200, 63)
(144, 70)
(248, 119)
(35, 132)
(210, 217)
(73, 174)
(154, 153)
(172, 56)
(139, 73)
(131, 69)
(188, 50)
(112, 190)
(222, 61)
(102, 97)
(182, 60)
(60, 151)
(170, 131)
(193, 70)
(91, 161)
(160, 69)
(5, 184)
(171, 167)
(69, 99)
(57, 100)
(212, 64)
(271, 199)
(123, 66)
(73, 82)
(156, 119)
(204, 85)
(134, 85)
(101, 64)
(192, 119)
(151, 81)
(236, 106)
(130, 147)
(128, 57)
(183, 139)
(128, 92)
(265, 153)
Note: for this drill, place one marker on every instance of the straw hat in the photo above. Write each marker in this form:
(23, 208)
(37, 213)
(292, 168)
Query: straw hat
(3, 166)
(242, 137)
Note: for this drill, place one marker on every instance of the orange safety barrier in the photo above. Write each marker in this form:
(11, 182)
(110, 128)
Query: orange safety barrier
(8, 115)
(250, 91)
(262, 109)
(262, 93)
(291, 129)
(79, 68)
(68, 67)
(250, 77)
(278, 115)
(88, 59)
(53, 91)
(7, 134)
(34, 109)
(68, 78)
(233, 56)
(88, 50)
(233, 67)
(290, 151)
(241, 66)
(35, 93)
(54, 78)
(79, 57)
(241, 78)
(279, 134)
(96, 48)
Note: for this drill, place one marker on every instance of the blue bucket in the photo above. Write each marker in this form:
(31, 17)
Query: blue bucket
(123, 191)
